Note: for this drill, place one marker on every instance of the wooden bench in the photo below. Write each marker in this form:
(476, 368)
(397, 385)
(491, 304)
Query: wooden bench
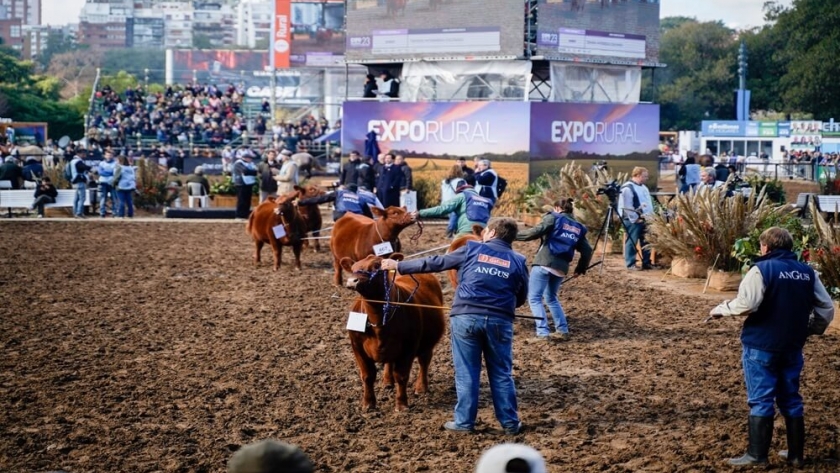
(23, 199)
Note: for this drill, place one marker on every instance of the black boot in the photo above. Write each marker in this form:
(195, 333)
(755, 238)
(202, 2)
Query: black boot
(795, 454)
(761, 433)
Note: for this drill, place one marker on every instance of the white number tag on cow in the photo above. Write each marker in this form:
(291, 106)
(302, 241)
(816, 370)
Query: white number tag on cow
(279, 231)
(357, 322)
(383, 249)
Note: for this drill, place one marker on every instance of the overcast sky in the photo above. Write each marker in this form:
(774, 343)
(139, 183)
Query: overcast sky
(735, 13)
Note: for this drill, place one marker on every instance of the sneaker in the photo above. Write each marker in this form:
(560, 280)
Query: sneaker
(560, 335)
(39, 216)
(540, 339)
(647, 267)
(516, 430)
(633, 268)
(453, 427)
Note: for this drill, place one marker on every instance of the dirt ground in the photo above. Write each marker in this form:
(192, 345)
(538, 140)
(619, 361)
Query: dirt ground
(158, 347)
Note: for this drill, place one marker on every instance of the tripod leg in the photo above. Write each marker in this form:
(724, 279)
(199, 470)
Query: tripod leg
(606, 231)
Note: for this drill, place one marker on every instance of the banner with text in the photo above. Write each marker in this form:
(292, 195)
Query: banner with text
(281, 34)
(623, 135)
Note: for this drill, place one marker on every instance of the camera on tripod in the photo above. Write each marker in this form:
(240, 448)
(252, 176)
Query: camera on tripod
(612, 190)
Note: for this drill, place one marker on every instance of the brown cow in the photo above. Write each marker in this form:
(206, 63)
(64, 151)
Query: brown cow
(394, 334)
(269, 214)
(458, 243)
(353, 236)
(311, 214)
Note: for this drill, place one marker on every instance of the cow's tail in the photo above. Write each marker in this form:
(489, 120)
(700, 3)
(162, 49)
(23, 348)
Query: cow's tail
(250, 223)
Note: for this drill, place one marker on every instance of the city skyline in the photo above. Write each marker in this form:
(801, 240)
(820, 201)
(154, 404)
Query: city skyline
(734, 13)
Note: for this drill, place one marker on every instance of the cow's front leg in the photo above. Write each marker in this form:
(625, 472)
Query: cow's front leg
(278, 253)
(388, 376)
(296, 247)
(422, 383)
(402, 371)
(367, 371)
(258, 245)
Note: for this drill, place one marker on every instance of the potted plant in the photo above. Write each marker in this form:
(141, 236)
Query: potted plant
(224, 192)
(700, 229)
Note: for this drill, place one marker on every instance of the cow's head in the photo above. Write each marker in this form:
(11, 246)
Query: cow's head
(367, 276)
(395, 217)
(308, 191)
(284, 206)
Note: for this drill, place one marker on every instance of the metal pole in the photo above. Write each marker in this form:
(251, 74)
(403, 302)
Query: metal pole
(146, 72)
(273, 95)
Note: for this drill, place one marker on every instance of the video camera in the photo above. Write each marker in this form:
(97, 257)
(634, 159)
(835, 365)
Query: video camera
(612, 190)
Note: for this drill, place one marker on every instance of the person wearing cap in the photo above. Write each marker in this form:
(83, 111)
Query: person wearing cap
(268, 169)
(270, 456)
(560, 236)
(173, 186)
(511, 458)
(470, 208)
(288, 177)
(198, 177)
(78, 178)
(493, 283)
(244, 178)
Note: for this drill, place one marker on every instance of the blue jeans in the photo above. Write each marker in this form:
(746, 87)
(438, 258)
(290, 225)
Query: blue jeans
(773, 376)
(125, 202)
(79, 199)
(635, 236)
(543, 284)
(473, 335)
(104, 190)
(453, 223)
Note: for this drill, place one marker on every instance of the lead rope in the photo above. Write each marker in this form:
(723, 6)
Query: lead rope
(417, 235)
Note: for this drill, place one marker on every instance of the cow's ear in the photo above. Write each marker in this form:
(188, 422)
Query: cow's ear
(477, 229)
(397, 256)
(377, 212)
(347, 264)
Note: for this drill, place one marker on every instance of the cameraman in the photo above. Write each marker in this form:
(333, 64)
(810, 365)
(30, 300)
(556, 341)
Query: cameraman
(633, 205)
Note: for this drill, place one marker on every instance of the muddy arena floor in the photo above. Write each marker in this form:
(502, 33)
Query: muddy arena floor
(158, 347)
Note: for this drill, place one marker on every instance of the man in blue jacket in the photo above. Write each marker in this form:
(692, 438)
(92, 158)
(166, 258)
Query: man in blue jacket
(777, 295)
(493, 283)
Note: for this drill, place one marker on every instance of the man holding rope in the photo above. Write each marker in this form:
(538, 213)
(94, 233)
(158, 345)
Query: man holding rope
(777, 295)
(494, 282)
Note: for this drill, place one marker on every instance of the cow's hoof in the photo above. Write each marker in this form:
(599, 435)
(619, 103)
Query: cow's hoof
(369, 407)
(387, 387)
(276, 269)
(421, 390)
(401, 407)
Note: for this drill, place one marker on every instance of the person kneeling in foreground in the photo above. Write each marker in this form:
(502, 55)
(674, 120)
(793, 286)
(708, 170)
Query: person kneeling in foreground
(494, 282)
(777, 295)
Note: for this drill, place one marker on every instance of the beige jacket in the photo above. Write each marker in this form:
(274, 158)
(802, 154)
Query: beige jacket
(288, 177)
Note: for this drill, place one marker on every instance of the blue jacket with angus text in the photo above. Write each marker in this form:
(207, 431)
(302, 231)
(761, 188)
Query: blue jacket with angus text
(781, 321)
(348, 202)
(369, 198)
(493, 279)
(478, 207)
(565, 237)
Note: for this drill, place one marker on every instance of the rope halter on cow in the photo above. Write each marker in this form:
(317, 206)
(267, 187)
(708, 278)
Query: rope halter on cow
(389, 308)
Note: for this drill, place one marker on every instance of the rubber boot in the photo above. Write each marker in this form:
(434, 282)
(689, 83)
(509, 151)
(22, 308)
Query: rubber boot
(795, 454)
(761, 433)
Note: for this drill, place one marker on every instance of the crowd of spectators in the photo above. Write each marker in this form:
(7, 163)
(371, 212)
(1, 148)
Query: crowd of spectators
(193, 114)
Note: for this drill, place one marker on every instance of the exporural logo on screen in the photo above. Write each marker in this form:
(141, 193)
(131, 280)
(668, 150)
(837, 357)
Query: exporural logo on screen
(420, 131)
(593, 132)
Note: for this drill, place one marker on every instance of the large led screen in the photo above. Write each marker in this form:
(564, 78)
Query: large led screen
(318, 33)
(600, 31)
(433, 29)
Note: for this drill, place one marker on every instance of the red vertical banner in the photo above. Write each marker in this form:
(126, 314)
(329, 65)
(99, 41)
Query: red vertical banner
(281, 33)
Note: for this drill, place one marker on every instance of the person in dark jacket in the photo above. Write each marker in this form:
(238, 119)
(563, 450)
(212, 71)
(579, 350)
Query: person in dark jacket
(366, 175)
(33, 169)
(560, 236)
(390, 182)
(244, 178)
(10, 171)
(406, 169)
(469, 173)
(371, 88)
(494, 282)
(45, 193)
(267, 170)
(778, 296)
(350, 171)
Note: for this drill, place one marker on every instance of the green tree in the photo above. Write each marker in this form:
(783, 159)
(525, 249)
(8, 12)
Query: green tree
(810, 48)
(57, 43)
(136, 61)
(700, 78)
(201, 41)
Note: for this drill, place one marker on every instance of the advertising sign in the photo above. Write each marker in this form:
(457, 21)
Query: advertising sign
(784, 129)
(623, 135)
(430, 135)
(430, 29)
(768, 129)
(625, 32)
(317, 33)
(724, 128)
(217, 66)
(805, 134)
(281, 35)
(211, 166)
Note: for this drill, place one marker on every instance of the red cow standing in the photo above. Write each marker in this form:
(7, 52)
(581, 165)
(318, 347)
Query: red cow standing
(353, 236)
(272, 213)
(394, 334)
(311, 214)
